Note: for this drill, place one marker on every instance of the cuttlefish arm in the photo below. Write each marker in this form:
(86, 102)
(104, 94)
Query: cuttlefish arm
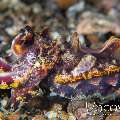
(110, 50)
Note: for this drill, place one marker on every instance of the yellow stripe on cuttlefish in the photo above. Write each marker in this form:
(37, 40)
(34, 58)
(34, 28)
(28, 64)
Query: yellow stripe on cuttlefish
(15, 84)
(66, 79)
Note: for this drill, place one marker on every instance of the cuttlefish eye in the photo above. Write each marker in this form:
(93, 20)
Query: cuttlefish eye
(23, 41)
(27, 38)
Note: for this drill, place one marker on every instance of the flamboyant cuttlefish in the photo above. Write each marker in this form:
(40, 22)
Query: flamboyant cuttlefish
(75, 69)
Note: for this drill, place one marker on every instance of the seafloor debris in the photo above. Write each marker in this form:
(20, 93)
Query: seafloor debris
(114, 116)
(14, 116)
(65, 3)
(92, 22)
(84, 110)
(38, 117)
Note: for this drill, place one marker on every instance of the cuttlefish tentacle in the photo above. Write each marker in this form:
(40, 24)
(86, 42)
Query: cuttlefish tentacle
(107, 44)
